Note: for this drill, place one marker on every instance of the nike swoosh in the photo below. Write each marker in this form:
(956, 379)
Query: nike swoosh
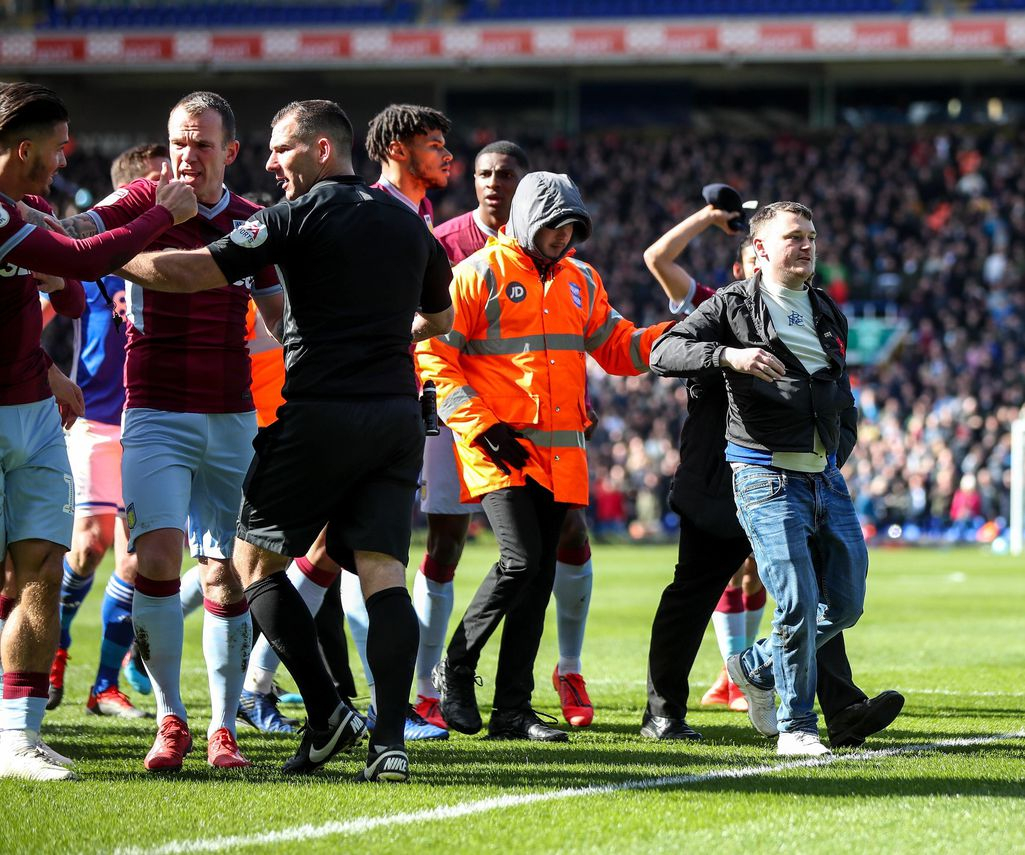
(320, 755)
(490, 444)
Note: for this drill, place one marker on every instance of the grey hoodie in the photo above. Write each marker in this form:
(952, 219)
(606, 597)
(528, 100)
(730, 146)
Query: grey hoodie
(546, 199)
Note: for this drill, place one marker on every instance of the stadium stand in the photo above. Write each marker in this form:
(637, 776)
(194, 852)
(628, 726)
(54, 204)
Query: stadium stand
(109, 14)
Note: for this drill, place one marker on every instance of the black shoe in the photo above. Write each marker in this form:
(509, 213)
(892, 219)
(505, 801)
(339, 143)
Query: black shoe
(54, 697)
(851, 726)
(523, 723)
(457, 696)
(345, 730)
(661, 727)
(390, 765)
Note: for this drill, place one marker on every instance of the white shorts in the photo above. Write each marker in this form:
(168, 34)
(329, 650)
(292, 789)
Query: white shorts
(185, 471)
(94, 449)
(440, 483)
(37, 496)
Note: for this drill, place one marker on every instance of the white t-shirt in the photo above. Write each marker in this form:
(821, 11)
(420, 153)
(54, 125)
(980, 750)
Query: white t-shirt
(791, 315)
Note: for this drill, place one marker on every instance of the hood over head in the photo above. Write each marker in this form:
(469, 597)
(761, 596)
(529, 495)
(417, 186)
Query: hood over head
(546, 200)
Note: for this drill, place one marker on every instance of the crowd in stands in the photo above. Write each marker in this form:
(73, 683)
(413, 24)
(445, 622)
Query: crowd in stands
(924, 223)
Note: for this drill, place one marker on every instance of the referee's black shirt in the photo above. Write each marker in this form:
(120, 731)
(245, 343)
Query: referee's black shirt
(355, 265)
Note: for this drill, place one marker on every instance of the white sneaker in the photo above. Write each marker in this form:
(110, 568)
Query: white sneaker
(21, 757)
(51, 755)
(801, 744)
(761, 703)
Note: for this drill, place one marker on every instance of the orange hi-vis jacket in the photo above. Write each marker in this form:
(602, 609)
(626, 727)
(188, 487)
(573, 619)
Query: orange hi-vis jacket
(516, 354)
(268, 368)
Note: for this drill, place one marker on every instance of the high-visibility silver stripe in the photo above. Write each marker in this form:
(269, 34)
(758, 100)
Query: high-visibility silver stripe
(454, 339)
(635, 351)
(493, 307)
(523, 344)
(601, 335)
(554, 438)
(454, 400)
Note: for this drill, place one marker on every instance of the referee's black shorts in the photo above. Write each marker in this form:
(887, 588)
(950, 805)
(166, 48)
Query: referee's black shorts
(353, 466)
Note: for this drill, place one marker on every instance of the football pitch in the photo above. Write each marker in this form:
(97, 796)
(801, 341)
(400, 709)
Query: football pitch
(947, 628)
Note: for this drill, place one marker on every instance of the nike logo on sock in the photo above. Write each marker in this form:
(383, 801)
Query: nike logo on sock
(490, 444)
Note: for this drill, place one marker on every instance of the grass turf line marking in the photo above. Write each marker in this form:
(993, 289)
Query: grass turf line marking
(368, 823)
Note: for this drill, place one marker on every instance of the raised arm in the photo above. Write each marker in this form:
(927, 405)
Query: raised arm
(660, 257)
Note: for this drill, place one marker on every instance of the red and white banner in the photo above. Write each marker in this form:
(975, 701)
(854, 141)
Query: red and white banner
(561, 43)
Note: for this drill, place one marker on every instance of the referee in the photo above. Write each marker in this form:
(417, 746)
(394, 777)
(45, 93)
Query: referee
(361, 277)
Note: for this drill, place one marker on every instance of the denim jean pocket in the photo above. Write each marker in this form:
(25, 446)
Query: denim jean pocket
(754, 486)
(836, 482)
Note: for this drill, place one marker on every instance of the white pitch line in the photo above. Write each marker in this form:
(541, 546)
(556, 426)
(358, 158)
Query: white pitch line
(951, 692)
(368, 823)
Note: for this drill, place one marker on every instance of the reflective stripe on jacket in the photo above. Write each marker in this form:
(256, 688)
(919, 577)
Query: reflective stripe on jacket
(516, 354)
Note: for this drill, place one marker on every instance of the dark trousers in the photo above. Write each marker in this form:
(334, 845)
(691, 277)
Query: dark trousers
(704, 567)
(526, 521)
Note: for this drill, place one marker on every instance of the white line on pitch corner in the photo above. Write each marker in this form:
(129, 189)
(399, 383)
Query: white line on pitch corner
(445, 812)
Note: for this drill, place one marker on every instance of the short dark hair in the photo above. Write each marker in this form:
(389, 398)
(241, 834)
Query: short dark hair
(744, 244)
(402, 122)
(134, 162)
(199, 102)
(769, 212)
(316, 116)
(508, 148)
(25, 108)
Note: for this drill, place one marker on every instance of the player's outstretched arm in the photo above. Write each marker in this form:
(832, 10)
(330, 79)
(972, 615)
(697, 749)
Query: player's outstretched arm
(176, 271)
(661, 256)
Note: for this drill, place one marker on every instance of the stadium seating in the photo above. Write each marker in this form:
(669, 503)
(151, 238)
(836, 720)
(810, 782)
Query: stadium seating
(115, 14)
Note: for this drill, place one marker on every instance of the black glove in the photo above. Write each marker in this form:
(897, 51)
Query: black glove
(499, 443)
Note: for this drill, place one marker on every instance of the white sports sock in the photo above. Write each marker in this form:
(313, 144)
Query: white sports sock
(433, 602)
(729, 633)
(259, 679)
(359, 622)
(310, 591)
(191, 591)
(226, 641)
(572, 601)
(160, 630)
(22, 713)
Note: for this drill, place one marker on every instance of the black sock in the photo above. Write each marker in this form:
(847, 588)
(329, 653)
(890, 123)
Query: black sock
(392, 638)
(282, 615)
(330, 621)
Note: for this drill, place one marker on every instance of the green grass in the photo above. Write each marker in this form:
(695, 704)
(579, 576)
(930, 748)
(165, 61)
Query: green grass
(944, 627)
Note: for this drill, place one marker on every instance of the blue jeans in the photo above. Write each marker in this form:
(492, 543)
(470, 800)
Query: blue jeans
(812, 558)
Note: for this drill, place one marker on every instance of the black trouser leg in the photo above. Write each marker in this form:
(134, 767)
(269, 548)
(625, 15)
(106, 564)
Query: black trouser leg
(515, 515)
(283, 617)
(525, 621)
(393, 634)
(836, 687)
(704, 568)
(330, 622)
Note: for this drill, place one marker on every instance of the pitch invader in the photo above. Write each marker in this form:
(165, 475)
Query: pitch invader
(36, 487)
(187, 434)
(94, 448)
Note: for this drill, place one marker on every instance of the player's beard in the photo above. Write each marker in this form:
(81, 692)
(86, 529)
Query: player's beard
(40, 175)
(431, 182)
